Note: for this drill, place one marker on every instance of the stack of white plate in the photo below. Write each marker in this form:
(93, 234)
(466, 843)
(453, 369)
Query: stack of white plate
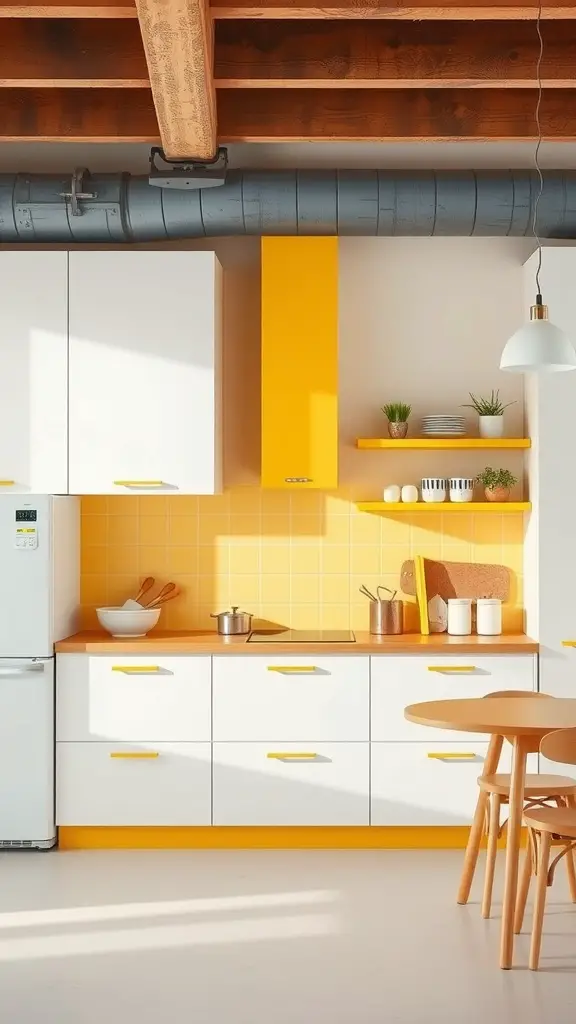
(444, 425)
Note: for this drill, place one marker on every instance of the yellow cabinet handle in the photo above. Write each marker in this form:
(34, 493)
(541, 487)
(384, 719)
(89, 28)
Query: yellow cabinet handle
(138, 483)
(451, 668)
(7, 483)
(291, 668)
(451, 756)
(569, 643)
(136, 668)
(136, 755)
(291, 755)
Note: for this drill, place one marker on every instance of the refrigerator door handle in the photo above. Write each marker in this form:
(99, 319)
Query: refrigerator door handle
(21, 670)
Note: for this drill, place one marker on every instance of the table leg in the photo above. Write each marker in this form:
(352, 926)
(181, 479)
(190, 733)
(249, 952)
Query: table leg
(477, 829)
(519, 756)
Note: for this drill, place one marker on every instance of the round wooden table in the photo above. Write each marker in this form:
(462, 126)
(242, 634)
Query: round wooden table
(524, 723)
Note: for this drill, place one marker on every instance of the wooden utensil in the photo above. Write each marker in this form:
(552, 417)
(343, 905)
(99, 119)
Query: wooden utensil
(168, 592)
(135, 602)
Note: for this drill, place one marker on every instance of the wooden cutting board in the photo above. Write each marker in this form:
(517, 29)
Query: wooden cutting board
(458, 579)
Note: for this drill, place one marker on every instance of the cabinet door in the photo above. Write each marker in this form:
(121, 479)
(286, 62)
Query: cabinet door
(144, 374)
(33, 372)
(291, 784)
(300, 362)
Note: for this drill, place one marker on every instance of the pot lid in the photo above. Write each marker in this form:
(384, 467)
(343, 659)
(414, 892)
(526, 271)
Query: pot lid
(232, 614)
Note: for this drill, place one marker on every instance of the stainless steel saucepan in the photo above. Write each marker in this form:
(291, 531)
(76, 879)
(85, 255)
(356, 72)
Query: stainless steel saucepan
(233, 623)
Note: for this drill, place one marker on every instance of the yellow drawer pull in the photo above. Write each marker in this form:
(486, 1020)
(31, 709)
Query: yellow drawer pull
(451, 756)
(136, 755)
(291, 755)
(138, 483)
(451, 668)
(7, 483)
(136, 668)
(291, 668)
(569, 643)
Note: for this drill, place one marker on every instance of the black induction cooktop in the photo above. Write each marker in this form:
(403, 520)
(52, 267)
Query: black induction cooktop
(303, 636)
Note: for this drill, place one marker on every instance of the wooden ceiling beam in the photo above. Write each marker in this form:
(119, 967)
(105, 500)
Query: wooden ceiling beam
(446, 55)
(45, 53)
(127, 115)
(178, 42)
(422, 10)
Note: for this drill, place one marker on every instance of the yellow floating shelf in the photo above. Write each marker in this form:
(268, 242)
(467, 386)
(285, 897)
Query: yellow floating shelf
(439, 443)
(450, 507)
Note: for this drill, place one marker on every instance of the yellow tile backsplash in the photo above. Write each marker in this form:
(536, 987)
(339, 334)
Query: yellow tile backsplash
(296, 559)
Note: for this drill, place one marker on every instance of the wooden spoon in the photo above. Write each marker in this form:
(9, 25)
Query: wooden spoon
(135, 602)
(167, 593)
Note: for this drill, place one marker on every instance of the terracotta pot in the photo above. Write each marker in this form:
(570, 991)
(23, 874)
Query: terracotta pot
(397, 430)
(497, 493)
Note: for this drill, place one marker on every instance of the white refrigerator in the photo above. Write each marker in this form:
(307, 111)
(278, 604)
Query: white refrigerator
(39, 587)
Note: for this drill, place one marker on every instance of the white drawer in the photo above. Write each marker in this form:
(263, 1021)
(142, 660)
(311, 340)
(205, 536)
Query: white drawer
(411, 788)
(97, 784)
(291, 698)
(400, 680)
(329, 788)
(153, 697)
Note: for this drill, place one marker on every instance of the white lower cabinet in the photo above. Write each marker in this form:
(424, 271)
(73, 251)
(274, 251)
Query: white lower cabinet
(133, 784)
(412, 784)
(328, 784)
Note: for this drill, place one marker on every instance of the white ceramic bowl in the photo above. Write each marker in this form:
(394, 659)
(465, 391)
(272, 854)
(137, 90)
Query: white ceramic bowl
(127, 621)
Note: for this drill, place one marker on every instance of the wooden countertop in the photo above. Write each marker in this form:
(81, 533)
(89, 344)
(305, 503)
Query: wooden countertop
(191, 642)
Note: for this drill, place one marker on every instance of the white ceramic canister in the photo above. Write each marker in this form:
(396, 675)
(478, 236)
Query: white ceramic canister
(459, 616)
(488, 616)
(461, 488)
(409, 493)
(433, 488)
(391, 493)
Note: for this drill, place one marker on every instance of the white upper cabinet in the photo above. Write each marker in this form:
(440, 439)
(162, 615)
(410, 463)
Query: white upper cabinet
(144, 372)
(33, 372)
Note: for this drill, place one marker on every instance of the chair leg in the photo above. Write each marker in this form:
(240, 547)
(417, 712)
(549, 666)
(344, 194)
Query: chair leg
(523, 889)
(545, 842)
(475, 837)
(570, 870)
(491, 851)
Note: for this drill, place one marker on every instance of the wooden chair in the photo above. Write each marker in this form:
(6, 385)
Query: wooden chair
(548, 825)
(539, 791)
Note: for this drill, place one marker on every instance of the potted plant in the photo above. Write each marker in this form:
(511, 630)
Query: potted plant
(491, 413)
(397, 414)
(496, 483)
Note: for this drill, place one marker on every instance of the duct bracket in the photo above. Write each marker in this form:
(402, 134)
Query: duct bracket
(76, 194)
(190, 173)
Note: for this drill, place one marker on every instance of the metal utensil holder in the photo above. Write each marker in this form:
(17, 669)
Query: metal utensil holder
(386, 618)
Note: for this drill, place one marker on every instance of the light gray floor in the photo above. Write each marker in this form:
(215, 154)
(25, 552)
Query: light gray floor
(279, 937)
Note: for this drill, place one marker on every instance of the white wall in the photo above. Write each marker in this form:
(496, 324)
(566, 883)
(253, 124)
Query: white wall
(424, 320)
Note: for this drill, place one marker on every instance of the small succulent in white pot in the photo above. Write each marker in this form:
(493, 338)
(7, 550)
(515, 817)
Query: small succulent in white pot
(490, 414)
(497, 483)
(397, 414)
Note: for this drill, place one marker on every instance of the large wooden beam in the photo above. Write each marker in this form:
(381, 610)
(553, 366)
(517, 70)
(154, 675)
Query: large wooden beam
(127, 115)
(290, 115)
(178, 42)
(420, 10)
(72, 54)
(403, 55)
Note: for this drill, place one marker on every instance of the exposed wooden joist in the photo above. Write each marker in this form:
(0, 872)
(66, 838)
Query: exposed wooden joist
(423, 10)
(72, 54)
(448, 55)
(178, 42)
(70, 9)
(290, 115)
(127, 115)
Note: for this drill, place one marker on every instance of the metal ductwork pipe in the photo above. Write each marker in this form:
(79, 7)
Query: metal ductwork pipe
(115, 208)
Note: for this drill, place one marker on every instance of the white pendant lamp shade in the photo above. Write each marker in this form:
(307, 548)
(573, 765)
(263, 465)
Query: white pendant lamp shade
(538, 346)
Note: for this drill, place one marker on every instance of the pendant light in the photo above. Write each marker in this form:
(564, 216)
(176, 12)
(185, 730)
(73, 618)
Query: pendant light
(538, 346)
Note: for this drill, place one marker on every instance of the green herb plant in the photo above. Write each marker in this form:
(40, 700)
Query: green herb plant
(493, 478)
(491, 406)
(397, 412)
